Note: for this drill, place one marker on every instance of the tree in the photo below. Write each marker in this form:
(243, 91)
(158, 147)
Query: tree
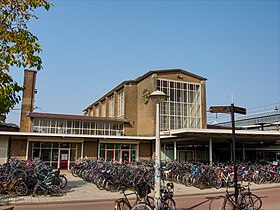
(18, 46)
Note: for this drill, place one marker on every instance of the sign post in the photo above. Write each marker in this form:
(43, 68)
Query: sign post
(232, 110)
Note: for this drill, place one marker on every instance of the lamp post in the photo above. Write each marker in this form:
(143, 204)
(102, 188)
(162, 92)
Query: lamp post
(157, 97)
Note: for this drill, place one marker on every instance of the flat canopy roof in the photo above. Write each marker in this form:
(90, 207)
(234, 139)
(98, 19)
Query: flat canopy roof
(178, 135)
(224, 134)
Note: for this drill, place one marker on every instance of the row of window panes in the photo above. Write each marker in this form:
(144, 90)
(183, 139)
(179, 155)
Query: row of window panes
(179, 122)
(54, 145)
(184, 109)
(177, 85)
(48, 151)
(76, 127)
(117, 155)
(132, 148)
(118, 146)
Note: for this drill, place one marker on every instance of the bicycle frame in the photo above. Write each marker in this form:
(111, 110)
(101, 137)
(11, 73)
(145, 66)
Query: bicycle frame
(10, 184)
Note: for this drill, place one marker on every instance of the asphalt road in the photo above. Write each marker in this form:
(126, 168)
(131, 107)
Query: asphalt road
(270, 198)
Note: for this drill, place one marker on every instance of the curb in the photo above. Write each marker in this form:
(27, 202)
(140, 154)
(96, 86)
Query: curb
(14, 203)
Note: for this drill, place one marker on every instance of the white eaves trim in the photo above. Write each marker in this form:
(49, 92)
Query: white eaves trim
(31, 134)
(224, 131)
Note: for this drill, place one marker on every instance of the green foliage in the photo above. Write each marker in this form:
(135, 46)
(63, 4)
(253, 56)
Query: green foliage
(18, 46)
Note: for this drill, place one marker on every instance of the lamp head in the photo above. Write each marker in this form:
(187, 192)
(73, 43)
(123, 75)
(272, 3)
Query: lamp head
(158, 96)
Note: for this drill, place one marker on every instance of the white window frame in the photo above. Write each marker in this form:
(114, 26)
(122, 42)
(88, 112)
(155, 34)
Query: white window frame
(183, 108)
(112, 106)
(121, 103)
(103, 109)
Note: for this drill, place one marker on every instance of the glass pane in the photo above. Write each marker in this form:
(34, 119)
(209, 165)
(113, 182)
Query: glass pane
(36, 153)
(73, 155)
(64, 145)
(99, 132)
(55, 154)
(45, 145)
(36, 122)
(133, 156)
(102, 154)
(110, 155)
(36, 144)
(55, 145)
(86, 125)
(110, 146)
(117, 155)
(125, 146)
(99, 125)
(102, 146)
(133, 146)
(69, 124)
(46, 154)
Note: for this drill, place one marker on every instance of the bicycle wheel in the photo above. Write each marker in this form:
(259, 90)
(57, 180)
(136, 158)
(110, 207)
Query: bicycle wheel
(121, 204)
(257, 201)
(18, 173)
(55, 190)
(21, 188)
(219, 183)
(169, 204)
(251, 201)
(141, 206)
(63, 181)
(246, 202)
(229, 203)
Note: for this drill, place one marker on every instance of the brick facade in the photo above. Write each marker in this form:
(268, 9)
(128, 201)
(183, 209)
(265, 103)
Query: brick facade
(90, 149)
(27, 100)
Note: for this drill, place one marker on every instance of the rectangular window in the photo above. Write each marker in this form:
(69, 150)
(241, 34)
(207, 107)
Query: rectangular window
(121, 103)
(182, 109)
(97, 111)
(111, 106)
(78, 127)
(103, 109)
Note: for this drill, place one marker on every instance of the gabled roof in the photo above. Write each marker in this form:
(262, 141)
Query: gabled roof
(138, 79)
(169, 71)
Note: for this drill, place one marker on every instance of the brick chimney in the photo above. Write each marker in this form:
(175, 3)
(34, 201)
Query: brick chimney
(27, 100)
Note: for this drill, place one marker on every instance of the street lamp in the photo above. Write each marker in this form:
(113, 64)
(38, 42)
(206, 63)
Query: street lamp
(157, 97)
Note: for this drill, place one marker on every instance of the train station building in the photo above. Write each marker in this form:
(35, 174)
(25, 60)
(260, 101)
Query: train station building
(121, 126)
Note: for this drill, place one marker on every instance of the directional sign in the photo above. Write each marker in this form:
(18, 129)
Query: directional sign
(239, 110)
(219, 109)
(227, 109)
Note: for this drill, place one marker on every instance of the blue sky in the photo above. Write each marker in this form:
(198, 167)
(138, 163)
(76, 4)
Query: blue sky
(90, 46)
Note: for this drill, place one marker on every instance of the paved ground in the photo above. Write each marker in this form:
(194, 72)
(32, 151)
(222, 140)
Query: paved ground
(78, 190)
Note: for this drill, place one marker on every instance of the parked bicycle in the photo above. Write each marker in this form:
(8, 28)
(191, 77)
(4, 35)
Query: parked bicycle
(7, 184)
(245, 199)
(45, 186)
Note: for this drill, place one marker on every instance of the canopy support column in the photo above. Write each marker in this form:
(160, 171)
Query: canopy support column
(175, 151)
(210, 151)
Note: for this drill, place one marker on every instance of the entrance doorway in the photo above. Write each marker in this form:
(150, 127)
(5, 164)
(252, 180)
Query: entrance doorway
(110, 154)
(125, 156)
(63, 160)
(185, 155)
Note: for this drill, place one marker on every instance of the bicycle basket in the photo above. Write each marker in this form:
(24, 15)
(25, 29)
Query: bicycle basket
(143, 189)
